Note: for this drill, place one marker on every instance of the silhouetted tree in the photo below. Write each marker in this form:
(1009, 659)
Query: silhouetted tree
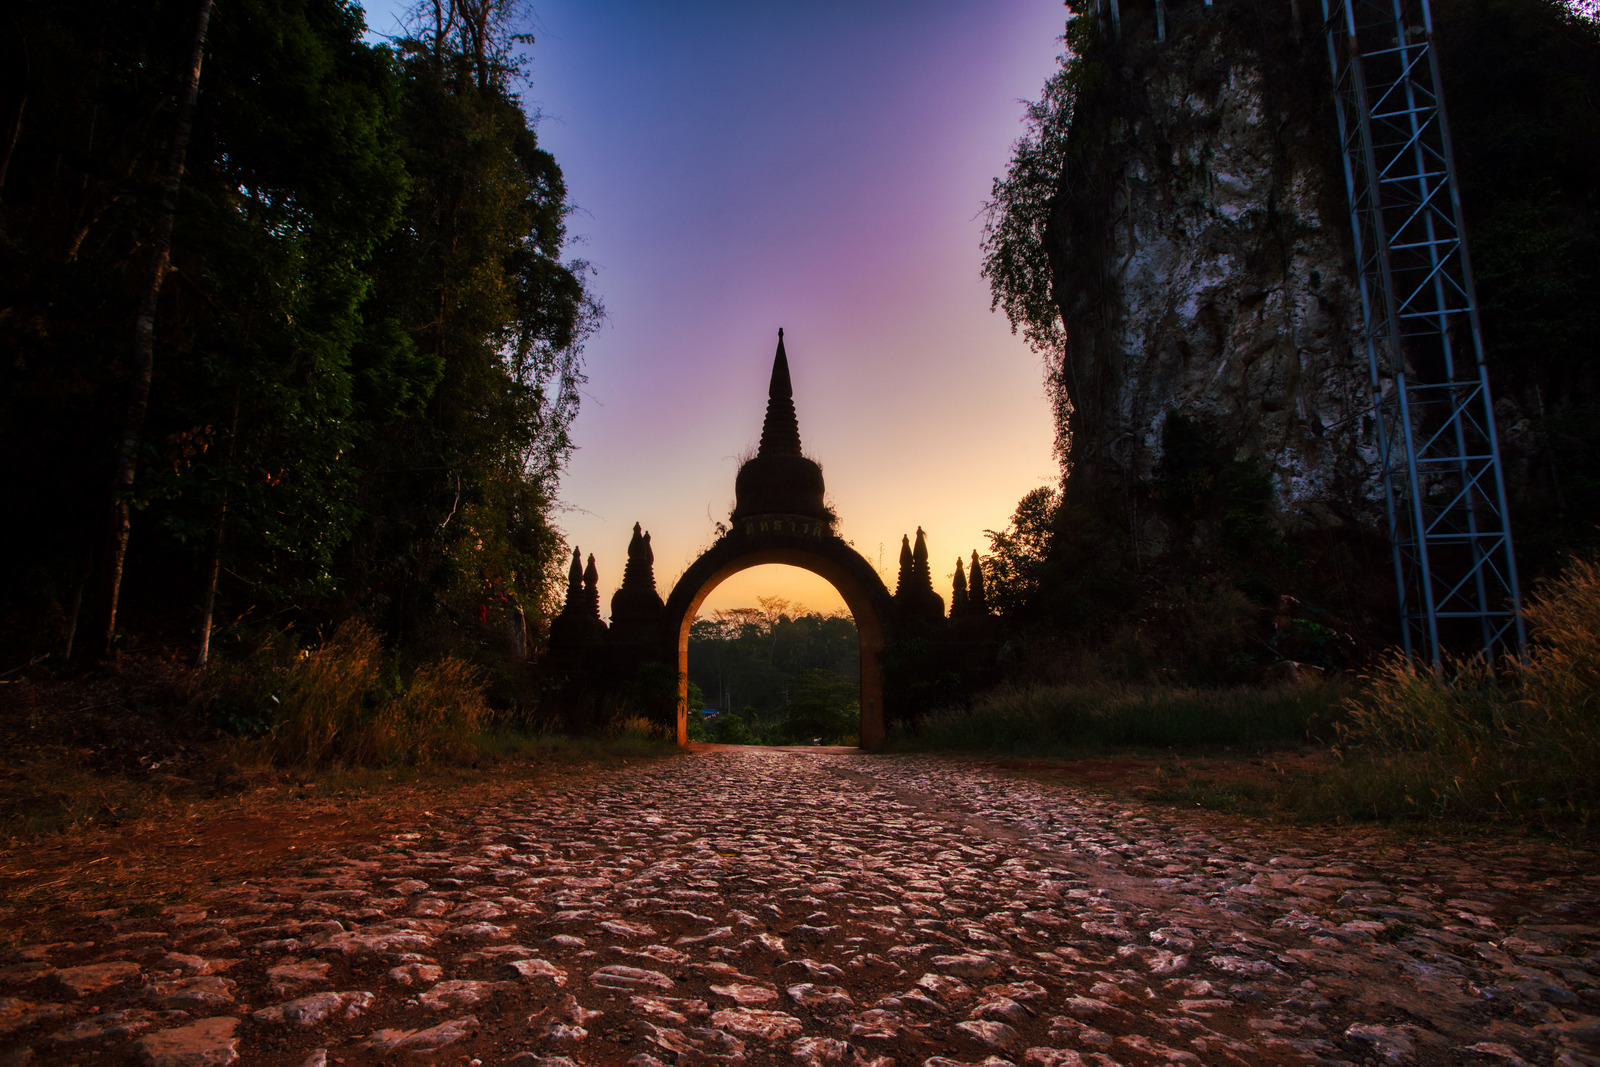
(751, 658)
(1011, 570)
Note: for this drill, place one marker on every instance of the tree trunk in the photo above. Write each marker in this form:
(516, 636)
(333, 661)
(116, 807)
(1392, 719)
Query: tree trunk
(77, 604)
(15, 65)
(215, 569)
(144, 344)
(212, 573)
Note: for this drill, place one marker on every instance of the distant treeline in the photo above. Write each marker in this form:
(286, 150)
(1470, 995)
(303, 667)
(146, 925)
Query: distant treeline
(345, 386)
(776, 677)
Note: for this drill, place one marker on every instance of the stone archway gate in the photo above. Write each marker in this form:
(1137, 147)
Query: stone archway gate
(795, 541)
(780, 516)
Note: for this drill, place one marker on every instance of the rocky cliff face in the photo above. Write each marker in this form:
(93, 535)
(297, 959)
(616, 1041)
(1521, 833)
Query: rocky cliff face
(1200, 250)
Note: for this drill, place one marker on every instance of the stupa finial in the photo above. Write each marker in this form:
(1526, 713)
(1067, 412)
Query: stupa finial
(779, 479)
(780, 433)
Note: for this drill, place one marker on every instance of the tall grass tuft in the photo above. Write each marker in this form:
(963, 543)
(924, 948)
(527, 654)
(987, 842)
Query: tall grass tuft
(321, 695)
(1462, 744)
(1563, 675)
(345, 703)
(434, 717)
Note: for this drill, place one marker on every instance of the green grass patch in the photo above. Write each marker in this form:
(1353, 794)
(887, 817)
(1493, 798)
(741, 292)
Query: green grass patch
(1236, 796)
(1453, 748)
(1072, 719)
(622, 744)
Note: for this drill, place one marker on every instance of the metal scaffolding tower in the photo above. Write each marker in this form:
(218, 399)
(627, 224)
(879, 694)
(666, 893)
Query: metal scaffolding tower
(1435, 431)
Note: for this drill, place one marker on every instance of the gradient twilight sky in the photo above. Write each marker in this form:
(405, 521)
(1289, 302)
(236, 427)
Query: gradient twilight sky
(820, 165)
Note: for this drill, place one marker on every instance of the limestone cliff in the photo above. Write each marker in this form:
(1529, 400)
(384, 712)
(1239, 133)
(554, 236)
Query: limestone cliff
(1199, 246)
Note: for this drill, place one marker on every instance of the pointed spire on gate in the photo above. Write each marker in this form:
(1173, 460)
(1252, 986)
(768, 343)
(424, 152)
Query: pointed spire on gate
(919, 561)
(779, 480)
(914, 593)
(578, 622)
(780, 433)
(640, 572)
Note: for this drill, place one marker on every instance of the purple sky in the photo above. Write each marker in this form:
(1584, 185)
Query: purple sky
(815, 165)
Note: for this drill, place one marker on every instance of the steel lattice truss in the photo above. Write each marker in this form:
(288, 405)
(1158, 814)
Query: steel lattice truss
(1434, 417)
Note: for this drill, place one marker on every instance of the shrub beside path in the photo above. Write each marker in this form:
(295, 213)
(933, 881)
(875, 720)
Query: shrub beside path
(813, 907)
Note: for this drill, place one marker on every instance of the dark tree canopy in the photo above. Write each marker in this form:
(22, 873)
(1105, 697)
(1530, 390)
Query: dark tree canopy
(366, 349)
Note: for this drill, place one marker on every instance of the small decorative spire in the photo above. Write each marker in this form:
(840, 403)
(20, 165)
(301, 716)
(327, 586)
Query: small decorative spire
(958, 593)
(919, 562)
(578, 623)
(903, 583)
(977, 597)
(591, 590)
(574, 582)
(914, 592)
(636, 606)
(640, 571)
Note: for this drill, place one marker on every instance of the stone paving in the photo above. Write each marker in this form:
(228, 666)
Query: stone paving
(825, 909)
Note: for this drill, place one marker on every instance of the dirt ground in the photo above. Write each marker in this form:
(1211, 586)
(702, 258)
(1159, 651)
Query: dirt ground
(765, 905)
(173, 845)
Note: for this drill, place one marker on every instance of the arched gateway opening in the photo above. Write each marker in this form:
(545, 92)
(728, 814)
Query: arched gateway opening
(811, 546)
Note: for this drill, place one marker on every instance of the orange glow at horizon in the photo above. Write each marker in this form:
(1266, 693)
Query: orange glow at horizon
(806, 592)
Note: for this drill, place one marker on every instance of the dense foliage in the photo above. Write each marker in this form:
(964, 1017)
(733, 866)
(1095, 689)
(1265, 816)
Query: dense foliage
(776, 677)
(1016, 261)
(366, 347)
(1527, 142)
(1016, 563)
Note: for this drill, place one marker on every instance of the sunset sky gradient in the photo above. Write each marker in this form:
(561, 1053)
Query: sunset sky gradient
(818, 165)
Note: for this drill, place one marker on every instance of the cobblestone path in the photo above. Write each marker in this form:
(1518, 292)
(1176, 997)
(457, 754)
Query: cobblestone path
(791, 907)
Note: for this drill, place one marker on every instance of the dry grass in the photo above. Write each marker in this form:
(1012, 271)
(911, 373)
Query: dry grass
(639, 727)
(1563, 675)
(48, 790)
(343, 703)
(88, 754)
(1461, 743)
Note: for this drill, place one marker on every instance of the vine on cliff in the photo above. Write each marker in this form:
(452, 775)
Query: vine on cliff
(1014, 258)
